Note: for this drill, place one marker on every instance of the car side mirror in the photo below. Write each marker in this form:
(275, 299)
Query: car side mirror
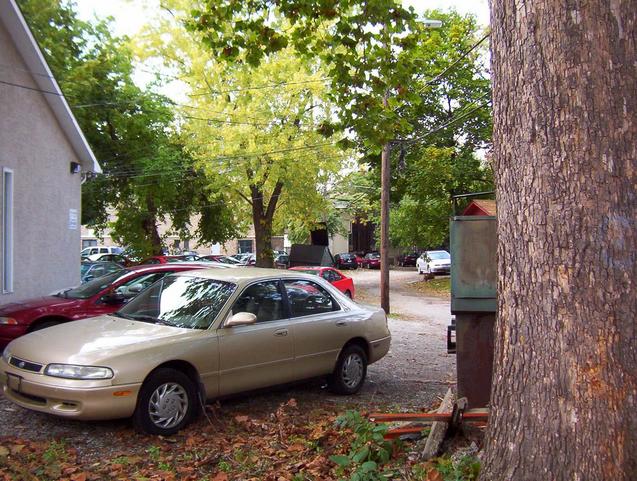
(136, 288)
(241, 319)
(113, 298)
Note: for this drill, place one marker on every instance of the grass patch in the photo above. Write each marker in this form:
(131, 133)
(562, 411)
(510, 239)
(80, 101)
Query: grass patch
(439, 287)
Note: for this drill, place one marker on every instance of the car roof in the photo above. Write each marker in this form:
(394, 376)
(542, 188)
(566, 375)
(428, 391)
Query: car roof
(244, 275)
(168, 267)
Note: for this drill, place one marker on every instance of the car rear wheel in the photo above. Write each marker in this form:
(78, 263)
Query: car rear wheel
(167, 402)
(350, 371)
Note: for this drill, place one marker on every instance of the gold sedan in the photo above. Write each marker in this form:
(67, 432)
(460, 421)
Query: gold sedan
(192, 337)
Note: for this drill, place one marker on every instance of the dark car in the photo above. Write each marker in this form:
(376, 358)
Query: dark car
(93, 270)
(371, 261)
(281, 261)
(346, 261)
(407, 259)
(102, 295)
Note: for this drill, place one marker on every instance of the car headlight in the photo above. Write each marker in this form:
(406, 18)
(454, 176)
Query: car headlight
(72, 371)
(8, 320)
(6, 354)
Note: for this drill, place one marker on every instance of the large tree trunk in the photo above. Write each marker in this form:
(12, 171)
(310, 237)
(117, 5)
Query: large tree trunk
(564, 399)
(262, 217)
(149, 225)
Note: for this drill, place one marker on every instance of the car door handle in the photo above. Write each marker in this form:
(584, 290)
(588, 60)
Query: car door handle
(341, 323)
(281, 332)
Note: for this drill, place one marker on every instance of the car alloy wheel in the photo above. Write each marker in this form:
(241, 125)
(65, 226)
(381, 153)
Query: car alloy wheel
(168, 405)
(350, 370)
(167, 401)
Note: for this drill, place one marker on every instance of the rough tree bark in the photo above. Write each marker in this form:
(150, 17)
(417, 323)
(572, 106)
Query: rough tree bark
(149, 225)
(564, 398)
(262, 217)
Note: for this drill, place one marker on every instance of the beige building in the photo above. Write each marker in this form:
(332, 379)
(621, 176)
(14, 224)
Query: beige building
(42, 156)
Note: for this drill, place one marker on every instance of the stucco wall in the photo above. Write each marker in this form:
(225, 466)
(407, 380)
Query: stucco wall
(46, 253)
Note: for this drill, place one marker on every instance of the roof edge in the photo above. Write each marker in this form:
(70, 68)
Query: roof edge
(27, 46)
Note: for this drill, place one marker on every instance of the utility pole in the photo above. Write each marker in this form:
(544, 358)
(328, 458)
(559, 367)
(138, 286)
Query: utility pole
(385, 183)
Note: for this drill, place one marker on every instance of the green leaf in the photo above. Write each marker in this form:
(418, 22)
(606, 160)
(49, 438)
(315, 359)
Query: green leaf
(340, 460)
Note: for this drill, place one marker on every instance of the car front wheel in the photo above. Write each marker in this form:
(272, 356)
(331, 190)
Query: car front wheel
(167, 402)
(350, 371)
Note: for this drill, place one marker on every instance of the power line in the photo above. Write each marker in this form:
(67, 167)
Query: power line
(258, 87)
(457, 61)
(31, 88)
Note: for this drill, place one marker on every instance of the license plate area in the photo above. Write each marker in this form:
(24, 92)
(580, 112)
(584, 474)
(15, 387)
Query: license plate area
(14, 382)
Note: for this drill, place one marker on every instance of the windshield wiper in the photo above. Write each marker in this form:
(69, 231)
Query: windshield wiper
(143, 318)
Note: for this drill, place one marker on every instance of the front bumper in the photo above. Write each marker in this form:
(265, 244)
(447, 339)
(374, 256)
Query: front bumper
(77, 399)
(441, 269)
(9, 332)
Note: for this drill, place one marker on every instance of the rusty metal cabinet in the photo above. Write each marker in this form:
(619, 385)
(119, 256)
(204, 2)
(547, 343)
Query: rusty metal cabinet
(473, 302)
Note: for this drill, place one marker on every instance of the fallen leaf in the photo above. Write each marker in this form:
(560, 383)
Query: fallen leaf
(220, 477)
(4, 451)
(16, 448)
(241, 419)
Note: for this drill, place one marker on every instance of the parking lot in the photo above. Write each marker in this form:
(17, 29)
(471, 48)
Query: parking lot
(415, 373)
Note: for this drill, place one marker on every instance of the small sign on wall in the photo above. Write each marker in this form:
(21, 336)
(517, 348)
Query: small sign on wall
(72, 219)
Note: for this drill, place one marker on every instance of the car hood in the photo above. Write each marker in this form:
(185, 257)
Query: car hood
(90, 340)
(35, 303)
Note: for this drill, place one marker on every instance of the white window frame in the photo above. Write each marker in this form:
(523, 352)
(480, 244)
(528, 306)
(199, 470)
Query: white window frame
(7, 230)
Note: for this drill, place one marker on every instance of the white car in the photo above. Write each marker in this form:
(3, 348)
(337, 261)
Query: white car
(434, 262)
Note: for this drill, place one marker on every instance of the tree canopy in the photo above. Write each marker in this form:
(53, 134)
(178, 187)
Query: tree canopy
(148, 176)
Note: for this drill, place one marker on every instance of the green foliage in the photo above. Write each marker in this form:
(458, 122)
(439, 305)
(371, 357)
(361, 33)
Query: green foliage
(466, 468)
(148, 175)
(369, 451)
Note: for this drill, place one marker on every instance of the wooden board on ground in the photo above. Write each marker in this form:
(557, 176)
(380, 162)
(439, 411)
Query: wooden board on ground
(438, 429)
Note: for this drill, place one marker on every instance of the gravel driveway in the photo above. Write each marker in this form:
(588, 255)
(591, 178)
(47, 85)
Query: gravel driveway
(415, 373)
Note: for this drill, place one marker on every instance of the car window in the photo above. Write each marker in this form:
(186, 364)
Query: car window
(140, 283)
(104, 250)
(307, 298)
(151, 261)
(335, 276)
(180, 301)
(264, 300)
(94, 286)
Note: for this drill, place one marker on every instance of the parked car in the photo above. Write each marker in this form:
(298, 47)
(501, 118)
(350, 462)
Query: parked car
(336, 278)
(195, 336)
(99, 296)
(434, 262)
(116, 258)
(371, 261)
(222, 259)
(346, 261)
(165, 259)
(93, 270)
(92, 250)
(281, 261)
(407, 259)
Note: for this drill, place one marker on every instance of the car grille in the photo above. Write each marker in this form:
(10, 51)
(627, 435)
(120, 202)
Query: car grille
(26, 365)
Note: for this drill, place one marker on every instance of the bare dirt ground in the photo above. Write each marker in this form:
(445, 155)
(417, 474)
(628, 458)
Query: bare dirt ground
(413, 376)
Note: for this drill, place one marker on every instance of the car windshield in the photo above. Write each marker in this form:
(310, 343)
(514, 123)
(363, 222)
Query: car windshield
(90, 288)
(438, 255)
(373, 256)
(180, 301)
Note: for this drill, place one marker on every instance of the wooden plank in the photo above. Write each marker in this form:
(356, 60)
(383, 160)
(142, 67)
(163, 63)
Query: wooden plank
(438, 429)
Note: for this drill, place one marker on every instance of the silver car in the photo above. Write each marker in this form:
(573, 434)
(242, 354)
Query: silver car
(195, 336)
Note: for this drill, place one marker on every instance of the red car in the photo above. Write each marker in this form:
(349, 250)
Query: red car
(170, 259)
(335, 277)
(371, 261)
(103, 295)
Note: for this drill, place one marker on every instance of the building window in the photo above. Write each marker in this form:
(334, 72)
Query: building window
(88, 243)
(7, 230)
